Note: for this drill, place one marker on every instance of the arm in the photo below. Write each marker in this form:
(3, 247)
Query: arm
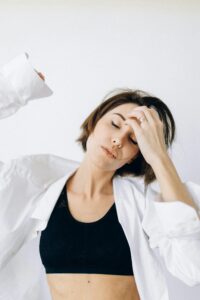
(171, 186)
(171, 218)
(19, 84)
(174, 228)
(172, 222)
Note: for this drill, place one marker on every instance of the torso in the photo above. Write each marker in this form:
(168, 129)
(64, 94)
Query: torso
(91, 286)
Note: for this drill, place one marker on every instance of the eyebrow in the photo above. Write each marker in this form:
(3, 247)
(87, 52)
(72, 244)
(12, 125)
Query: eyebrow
(121, 116)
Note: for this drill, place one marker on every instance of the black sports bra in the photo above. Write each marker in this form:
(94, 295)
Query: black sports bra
(71, 246)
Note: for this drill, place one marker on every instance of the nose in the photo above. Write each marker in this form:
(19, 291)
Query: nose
(116, 142)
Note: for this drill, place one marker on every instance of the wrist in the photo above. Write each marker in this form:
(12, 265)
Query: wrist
(159, 160)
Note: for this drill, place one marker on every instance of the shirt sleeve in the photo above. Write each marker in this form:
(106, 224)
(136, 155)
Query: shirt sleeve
(174, 227)
(19, 84)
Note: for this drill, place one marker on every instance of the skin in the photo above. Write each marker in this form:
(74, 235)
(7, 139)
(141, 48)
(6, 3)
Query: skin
(150, 138)
(40, 74)
(89, 201)
(86, 205)
(91, 196)
(98, 166)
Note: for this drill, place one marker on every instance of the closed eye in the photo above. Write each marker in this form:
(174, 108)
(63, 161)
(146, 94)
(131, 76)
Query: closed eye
(119, 127)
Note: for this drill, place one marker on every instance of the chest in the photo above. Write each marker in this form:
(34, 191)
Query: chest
(71, 244)
(87, 211)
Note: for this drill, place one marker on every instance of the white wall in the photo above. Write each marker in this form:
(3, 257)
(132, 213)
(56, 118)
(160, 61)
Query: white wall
(86, 49)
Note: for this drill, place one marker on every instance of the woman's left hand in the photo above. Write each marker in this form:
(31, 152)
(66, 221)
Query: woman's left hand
(40, 74)
(148, 132)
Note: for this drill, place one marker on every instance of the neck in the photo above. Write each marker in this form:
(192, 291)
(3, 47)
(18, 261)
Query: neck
(91, 181)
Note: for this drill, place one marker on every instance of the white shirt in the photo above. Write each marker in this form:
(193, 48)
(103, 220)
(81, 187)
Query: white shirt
(30, 186)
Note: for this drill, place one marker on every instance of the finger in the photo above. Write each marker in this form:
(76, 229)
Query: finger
(134, 126)
(142, 114)
(156, 114)
(147, 113)
(150, 114)
(136, 114)
(41, 75)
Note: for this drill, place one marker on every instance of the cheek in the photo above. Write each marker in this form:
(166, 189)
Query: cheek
(131, 152)
(93, 141)
(101, 133)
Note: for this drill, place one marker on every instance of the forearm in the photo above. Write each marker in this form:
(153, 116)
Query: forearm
(171, 186)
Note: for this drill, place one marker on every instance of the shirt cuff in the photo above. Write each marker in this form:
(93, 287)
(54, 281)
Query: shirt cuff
(177, 216)
(24, 80)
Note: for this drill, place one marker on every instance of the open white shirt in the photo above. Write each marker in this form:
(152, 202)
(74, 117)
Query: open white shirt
(30, 186)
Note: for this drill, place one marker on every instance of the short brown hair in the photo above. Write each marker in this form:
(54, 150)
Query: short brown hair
(139, 167)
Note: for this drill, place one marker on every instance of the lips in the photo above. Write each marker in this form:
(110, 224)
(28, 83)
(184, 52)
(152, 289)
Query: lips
(110, 152)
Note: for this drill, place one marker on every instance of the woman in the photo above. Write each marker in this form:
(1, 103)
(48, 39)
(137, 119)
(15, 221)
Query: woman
(96, 223)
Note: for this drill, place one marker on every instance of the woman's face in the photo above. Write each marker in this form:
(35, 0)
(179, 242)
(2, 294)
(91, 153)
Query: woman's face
(104, 133)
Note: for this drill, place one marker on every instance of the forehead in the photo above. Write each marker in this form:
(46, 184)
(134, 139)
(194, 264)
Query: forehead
(124, 109)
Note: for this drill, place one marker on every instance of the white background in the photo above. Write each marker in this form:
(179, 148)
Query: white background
(86, 49)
